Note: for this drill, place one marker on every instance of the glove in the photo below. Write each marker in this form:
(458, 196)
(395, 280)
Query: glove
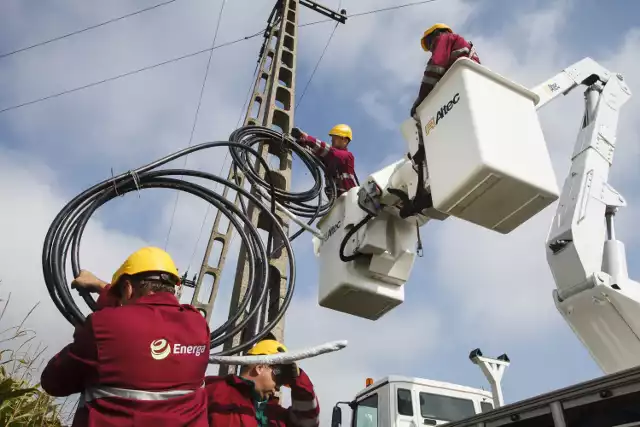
(286, 374)
(296, 133)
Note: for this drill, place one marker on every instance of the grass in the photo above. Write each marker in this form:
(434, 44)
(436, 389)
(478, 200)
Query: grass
(22, 402)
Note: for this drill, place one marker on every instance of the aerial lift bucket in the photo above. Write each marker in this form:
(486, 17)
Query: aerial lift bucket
(486, 155)
(370, 286)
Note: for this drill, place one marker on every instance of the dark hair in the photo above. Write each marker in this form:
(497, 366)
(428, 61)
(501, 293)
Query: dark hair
(147, 282)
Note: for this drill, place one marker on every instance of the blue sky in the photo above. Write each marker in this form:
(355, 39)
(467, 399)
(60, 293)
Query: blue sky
(457, 300)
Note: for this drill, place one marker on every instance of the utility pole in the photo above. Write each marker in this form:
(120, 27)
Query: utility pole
(274, 97)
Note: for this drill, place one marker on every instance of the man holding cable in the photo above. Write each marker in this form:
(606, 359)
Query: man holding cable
(247, 400)
(141, 358)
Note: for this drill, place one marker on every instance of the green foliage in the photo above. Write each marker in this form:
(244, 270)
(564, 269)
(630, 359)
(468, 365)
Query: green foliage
(22, 401)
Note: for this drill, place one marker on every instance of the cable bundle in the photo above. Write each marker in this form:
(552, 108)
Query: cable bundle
(65, 233)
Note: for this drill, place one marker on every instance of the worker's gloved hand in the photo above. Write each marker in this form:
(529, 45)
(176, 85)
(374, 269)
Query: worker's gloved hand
(296, 133)
(88, 281)
(286, 374)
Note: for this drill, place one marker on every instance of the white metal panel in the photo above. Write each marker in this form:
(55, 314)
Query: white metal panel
(486, 154)
(438, 385)
(364, 288)
(607, 321)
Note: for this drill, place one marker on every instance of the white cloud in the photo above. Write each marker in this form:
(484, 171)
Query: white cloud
(381, 113)
(23, 231)
(138, 119)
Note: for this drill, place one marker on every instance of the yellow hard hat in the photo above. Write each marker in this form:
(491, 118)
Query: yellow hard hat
(266, 347)
(341, 130)
(146, 260)
(423, 40)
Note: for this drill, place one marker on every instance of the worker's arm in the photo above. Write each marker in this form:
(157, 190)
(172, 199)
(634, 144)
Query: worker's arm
(304, 410)
(436, 67)
(74, 366)
(318, 147)
(89, 282)
(326, 152)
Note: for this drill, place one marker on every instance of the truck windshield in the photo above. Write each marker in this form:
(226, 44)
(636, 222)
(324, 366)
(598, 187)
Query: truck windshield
(367, 412)
(445, 408)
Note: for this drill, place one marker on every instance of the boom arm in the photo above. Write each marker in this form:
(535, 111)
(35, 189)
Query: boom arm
(594, 292)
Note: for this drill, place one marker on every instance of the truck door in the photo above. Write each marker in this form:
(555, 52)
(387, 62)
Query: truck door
(404, 407)
(366, 413)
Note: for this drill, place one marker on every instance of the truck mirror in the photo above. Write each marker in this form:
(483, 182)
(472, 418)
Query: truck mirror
(336, 417)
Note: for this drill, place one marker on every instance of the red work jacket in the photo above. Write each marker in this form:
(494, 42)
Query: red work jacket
(339, 163)
(154, 344)
(232, 403)
(447, 49)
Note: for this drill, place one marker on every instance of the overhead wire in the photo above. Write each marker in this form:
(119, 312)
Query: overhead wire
(370, 12)
(195, 119)
(304, 91)
(92, 27)
(129, 73)
(110, 79)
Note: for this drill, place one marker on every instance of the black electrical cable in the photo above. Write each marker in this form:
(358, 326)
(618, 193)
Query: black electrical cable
(66, 231)
(296, 202)
(345, 240)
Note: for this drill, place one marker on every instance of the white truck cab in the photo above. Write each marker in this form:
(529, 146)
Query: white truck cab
(398, 401)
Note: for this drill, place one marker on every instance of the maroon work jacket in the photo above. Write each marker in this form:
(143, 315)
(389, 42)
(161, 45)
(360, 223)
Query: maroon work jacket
(232, 403)
(155, 345)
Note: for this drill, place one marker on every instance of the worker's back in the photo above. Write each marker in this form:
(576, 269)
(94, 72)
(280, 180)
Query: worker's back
(149, 346)
(449, 47)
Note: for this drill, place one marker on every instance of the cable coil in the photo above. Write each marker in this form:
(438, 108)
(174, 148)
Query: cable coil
(66, 230)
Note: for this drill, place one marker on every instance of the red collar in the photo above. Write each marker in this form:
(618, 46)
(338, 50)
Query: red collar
(160, 298)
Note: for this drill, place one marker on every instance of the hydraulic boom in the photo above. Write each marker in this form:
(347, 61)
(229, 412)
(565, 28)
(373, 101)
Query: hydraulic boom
(594, 293)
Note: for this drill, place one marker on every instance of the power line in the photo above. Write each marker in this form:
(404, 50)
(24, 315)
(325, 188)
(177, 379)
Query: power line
(92, 27)
(195, 119)
(370, 12)
(317, 65)
(304, 91)
(24, 104)
(110, 79)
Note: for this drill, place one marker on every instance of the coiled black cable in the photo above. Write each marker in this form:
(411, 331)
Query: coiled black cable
(296, 202)
(345, 240)
(65, 233)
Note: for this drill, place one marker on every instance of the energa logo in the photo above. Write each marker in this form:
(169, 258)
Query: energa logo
(161, 349)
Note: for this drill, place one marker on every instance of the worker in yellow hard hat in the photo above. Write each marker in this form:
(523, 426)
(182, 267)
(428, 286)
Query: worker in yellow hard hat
(446, 47)
(338, 160)
(141, 357)
(249, 399)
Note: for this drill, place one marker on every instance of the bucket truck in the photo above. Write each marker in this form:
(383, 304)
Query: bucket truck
(476, 151)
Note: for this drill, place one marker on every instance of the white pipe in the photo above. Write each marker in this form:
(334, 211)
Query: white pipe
(280, 358)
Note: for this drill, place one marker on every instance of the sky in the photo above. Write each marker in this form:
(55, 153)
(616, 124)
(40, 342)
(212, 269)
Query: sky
(473, 288)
